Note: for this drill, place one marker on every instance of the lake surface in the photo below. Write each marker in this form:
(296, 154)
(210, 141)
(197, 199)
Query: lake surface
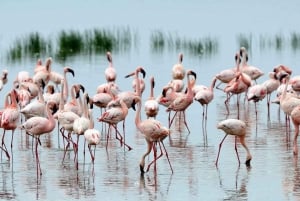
(266, 27)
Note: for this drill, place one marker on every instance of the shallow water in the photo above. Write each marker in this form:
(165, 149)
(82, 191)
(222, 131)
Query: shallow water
(274, 172)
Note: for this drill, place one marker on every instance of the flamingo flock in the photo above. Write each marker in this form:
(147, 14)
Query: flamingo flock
(37, 104)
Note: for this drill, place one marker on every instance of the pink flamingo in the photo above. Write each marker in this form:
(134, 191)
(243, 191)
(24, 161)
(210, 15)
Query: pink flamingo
(36, 107)
(82, 123)
(178, 71)
(42, 72)
(271, 85)
(256, 93)
(181, 102)
(237, 128)
(237, 85)
(225, 76)
(204, 96)
(37, 126)
(113, 116)
(154, 133)
(56, 77)
(10, 118)
(65, 120)
(92, 136)
(73, 105)
(253, 71)
(110, 71)
(151, 105)
(140, 80)
(295, 116)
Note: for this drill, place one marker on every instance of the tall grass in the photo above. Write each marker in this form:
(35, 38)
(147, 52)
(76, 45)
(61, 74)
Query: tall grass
(68, 43)
(160, 42)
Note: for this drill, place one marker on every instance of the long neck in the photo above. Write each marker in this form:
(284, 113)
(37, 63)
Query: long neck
(66, 87)
(91, 117)
(51, 119)
(138, 111)
(61, 100)
(285, 88)
(13, 98)
(213, 83)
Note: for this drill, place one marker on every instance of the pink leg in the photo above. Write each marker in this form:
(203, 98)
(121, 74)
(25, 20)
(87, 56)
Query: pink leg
(236, 151)
(220, 145)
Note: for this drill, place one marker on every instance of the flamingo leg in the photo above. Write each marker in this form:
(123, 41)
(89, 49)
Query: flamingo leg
(3, 147)
(167, 155)
(184, 120)
(142, 163)
(38, 165)
(295, 145)
(220, 146)
(171, 122)
(129, 147)
(236, 151)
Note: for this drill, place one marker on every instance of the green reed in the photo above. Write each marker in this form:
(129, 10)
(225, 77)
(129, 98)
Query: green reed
(32, 45)
(159, 42)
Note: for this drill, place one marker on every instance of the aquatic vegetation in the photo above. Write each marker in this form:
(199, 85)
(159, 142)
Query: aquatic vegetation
(69, 43)
(295, 41)
(160, 42)
(32, 45)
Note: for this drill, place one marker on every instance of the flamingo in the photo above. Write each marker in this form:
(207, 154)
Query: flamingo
(35, 108)
(271, 85)
(92, 136)
(82, 123)
(73, 104)
(151, 105)
(288, 101)
(253, 71)
(42, 72)
(110, 71)
(3, 79)
(56, 77)
(204, 96)
(237, 85)
(237, 128)
(256, 93)
(225, 76)
(129, 97)
(295, 116)
(181, 102)
(37, 126)
(140, 80)
(178, 71)
(10, 117)
(113, 116)
(55, 97)
(101, 99)
(154, 133)
(65, 119)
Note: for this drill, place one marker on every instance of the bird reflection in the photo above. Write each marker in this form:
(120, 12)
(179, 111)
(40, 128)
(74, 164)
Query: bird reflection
(153, 187)
(237, 191)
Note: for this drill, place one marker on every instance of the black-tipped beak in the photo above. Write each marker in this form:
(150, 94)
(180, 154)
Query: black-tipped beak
(129, 75)
(87, 99)
(71, 71)
(133, 105)
(193, 74)
(143, 72)
(82, 88)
